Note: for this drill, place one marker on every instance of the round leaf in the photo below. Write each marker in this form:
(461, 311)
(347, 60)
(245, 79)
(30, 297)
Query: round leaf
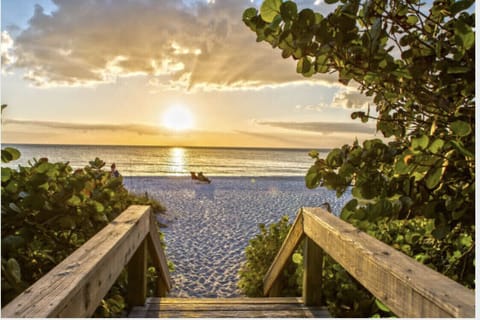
(420, 142)
(288, 10)
(434, 176)
(269, 9)
(436, 146)
(461, 128)
(13, 268)
(297, 258)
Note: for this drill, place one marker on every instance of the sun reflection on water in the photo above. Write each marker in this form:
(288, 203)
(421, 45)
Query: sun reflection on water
(177, 161)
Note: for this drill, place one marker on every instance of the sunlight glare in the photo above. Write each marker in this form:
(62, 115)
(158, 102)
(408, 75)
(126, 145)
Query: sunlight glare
(178, 119)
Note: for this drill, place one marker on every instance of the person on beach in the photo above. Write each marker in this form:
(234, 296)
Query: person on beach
(200, 177)
(114, 172)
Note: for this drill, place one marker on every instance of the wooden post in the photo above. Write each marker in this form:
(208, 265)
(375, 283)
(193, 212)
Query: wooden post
(137, 277)
(312, 274)
(276, 289)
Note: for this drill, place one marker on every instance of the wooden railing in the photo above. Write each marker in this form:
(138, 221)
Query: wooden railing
(409, 288)
(75, 287)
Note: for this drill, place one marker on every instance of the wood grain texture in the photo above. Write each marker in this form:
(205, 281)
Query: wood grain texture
(407, 287)
(312, 274)
(293, 239)
(137, 277)
(226, 308)
(75, 287)
(159, 260)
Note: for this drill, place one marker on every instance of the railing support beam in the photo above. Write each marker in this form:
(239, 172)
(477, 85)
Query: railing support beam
(137, 277)
(312, 274)
(273, 275)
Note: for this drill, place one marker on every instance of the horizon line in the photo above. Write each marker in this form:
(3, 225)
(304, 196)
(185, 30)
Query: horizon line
(162, 146)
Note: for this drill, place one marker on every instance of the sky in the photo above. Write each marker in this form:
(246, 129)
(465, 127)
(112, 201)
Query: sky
(167, 73)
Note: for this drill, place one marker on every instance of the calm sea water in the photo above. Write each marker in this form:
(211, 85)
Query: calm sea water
(178, 161)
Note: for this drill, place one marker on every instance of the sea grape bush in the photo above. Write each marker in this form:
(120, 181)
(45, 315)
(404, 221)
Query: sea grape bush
(343, 295)
(48, 211)
(417, 62)
(260, 253)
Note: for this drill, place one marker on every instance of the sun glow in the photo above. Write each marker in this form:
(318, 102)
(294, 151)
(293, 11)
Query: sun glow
(178, 119)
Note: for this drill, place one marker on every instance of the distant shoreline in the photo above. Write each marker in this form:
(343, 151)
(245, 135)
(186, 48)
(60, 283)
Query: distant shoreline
(160, 146)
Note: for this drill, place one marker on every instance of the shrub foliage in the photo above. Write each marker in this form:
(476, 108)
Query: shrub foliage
(260, 254)
(416, 189)
(48, 211)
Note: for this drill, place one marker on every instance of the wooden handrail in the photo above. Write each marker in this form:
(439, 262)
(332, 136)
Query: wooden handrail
(409, 288)
(75, 287)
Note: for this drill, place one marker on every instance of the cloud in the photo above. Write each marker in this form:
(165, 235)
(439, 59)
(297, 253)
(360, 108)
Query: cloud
(176, 44)
(124, 128)
(321, 127)
(6, 48)
(351, 99)
(310, 107)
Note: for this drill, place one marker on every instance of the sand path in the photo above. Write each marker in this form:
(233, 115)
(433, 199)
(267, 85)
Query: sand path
(209, 225)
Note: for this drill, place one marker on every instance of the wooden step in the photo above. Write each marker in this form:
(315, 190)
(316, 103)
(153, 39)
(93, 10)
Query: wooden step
(227, 308)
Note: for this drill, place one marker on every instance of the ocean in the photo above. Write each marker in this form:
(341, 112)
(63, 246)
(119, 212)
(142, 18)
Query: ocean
(176, 161)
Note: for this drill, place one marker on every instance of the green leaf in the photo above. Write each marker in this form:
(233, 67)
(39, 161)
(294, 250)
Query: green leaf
(249, 13)
(6, 174)
(297, 258)
(464, 35)
(461, 128)
(330, 1)
(305, 66)
(420, 142)
(461, 5)
(334, 158)
(98, 206)
(270, 9)
(312, 179)
(74, 201)
(10, 154)
(66, 222)
(306, 18)
(462, 149)
(440, 232)
(288, 10)
(436, 146)
(412, 20)
(44, 186)
(13, 268)
(434, 176)
(11, 187)
(313, 154)
(43, 167)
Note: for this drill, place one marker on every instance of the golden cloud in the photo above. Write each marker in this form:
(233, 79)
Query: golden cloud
(174, 44)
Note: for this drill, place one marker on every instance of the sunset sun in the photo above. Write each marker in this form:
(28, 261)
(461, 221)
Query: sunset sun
(178, 118)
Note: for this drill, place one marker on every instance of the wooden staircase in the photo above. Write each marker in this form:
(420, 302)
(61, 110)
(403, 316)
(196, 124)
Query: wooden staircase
(227, 308)
(76, 286)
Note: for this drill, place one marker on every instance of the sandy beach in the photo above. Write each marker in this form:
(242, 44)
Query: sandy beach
(209, 225)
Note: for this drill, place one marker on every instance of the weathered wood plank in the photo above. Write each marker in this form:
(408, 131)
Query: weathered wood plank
(234, 314)
(312, 274)
(75, 286)
(293, 239)
(225, 307)
(231, 307)
(407, 287)
(137, 277)
(164, 282)
(237, 300)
